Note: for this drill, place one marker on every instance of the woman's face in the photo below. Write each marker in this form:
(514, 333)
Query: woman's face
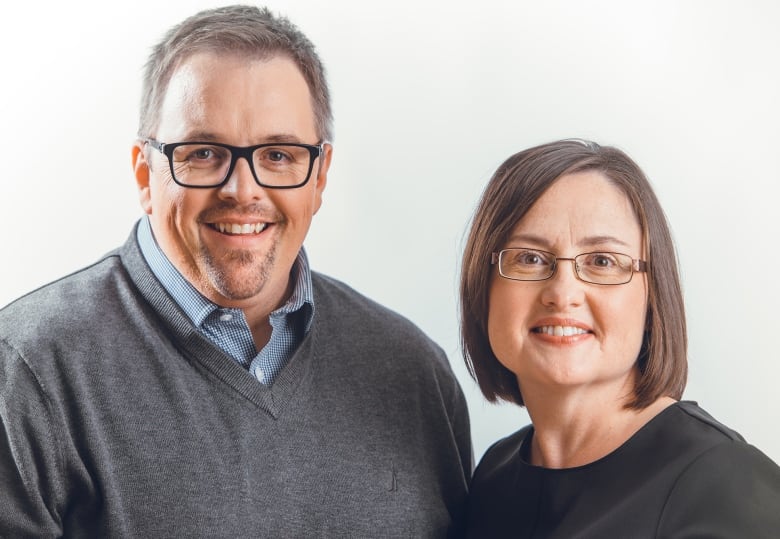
(530, 323)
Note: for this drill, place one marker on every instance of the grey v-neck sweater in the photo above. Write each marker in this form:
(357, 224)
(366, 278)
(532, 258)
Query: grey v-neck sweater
(118, 419)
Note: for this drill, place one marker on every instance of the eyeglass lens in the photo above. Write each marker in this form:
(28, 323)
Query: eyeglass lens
(203, 165)
(536, 265)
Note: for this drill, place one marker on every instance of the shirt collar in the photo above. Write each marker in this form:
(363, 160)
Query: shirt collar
(196, 306)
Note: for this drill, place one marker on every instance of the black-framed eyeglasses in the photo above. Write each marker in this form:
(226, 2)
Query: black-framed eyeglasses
(283, 165)
(524, 264)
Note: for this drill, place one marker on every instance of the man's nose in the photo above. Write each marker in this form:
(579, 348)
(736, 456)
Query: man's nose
(241, 184)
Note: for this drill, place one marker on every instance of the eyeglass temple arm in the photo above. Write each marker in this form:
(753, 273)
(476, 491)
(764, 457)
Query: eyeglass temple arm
(157, 145)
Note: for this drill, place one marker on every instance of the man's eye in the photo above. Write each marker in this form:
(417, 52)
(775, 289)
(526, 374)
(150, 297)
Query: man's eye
(275, 156)
(195, 154)
(203, 153)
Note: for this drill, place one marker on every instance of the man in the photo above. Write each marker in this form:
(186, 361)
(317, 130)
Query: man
(201, 380)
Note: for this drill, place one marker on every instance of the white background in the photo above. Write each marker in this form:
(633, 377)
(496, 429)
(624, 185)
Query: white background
(430, 97)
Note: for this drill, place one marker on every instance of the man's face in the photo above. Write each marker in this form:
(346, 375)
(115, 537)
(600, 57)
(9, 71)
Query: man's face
(228, 99)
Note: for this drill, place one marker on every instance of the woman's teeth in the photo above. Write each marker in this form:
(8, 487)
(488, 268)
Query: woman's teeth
(560, 331)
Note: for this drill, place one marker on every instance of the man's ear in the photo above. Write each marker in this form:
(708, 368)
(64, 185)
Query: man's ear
(322, 175)
(142, 174)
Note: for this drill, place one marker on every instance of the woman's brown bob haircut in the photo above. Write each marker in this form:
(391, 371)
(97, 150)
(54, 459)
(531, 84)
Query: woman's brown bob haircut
(512, 191)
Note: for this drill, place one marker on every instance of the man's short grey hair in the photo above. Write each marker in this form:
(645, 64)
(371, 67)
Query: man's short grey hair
(246, 31)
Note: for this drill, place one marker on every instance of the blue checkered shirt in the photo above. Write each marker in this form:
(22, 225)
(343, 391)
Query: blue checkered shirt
(228, 328)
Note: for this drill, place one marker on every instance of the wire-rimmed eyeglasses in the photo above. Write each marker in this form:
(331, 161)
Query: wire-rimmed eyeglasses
(524, 264)
(283, 165)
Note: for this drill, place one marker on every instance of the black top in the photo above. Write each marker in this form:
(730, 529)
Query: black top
(682, 475)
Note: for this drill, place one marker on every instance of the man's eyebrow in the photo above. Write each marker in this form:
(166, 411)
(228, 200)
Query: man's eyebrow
(205, 136)
(281, 137)
(278, 138)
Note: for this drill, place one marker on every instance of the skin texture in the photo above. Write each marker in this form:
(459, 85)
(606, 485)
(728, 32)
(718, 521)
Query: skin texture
(239, 101)
(574, 386)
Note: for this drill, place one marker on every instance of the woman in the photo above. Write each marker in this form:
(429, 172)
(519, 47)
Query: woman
(571, 306)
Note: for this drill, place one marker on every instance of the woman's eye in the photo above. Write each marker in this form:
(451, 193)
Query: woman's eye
(530, 258)
(602, 260)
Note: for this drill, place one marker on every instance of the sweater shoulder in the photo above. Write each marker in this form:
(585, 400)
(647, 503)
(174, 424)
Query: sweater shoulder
(363, 312)
(66, 306)
(375, 330)
(68, 288)
(341, 295)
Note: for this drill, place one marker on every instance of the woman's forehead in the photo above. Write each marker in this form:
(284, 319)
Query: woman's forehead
(580, 210)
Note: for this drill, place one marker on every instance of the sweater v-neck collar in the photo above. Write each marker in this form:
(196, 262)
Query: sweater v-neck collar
(204, 355)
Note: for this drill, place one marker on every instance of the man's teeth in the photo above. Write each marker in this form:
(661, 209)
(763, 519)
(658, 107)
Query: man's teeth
(235, 228)
(560, 331)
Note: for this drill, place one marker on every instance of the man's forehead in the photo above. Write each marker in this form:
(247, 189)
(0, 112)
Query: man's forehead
(216, 56)
(204, 71)
(212, 93)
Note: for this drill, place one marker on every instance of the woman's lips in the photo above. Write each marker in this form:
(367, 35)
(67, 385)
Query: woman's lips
(553, 327)
(560, 331)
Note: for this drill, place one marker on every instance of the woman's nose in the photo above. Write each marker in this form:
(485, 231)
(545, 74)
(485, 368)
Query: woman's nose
(564, 288)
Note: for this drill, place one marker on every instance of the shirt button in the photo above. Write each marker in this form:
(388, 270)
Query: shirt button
(226, 317)
(259, 374)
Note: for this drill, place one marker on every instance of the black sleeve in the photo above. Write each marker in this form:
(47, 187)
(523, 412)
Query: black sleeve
(730, 491)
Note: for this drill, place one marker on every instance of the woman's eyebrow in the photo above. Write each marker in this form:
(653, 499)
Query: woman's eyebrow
(588, 241)
(591, 241)
(530, 239)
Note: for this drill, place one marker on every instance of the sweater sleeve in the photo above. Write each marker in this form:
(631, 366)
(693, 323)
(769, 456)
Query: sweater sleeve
(461, 425)
(732, 490)
(30, 470)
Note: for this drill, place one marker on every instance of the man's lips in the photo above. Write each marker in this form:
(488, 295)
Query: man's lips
(234, 220)
(238, 229)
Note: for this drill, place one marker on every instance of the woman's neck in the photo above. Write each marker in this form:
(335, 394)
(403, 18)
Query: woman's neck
(580, 429)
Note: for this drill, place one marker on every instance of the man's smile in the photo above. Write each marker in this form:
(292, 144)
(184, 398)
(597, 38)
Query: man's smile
(238, 228)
